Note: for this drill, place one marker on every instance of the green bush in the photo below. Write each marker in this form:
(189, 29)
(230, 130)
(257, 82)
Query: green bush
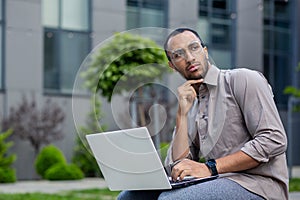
(7, 175)
(63, 171)
(49, 156)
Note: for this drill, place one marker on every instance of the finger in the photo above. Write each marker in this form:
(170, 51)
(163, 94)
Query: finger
(177, 170)
(184, 173)
(191, 82)
(176, 173)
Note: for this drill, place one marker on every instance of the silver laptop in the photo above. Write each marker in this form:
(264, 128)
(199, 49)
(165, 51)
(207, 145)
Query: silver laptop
(129, 161)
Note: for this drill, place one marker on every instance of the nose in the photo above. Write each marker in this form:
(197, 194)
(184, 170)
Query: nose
(189, 56)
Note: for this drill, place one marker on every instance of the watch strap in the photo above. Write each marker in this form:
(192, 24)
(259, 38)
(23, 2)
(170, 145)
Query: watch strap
(211, 164)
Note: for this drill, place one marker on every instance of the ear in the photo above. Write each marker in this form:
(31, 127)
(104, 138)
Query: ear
(171, 65)
(205, 52)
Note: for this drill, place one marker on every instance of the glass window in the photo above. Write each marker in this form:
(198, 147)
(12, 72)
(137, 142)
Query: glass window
(281, 9)
(145, 13)
(281, 39)
(221, 4)
(281, 78)
(277, 47)
(51, 73)
(50, 10)
(151, 17)
(267, 8)
(266, 39)
(75, 15)
(220, 34)
(66, 42)
(75, 46)
(215, 28)
(203, 29)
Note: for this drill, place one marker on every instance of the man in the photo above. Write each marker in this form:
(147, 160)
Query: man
(229, 118)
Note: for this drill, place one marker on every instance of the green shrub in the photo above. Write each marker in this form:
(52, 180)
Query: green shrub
(7, 175)
(49, 156)
(63, 171)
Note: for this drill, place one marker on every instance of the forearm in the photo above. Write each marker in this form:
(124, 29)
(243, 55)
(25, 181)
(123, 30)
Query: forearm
(180, 146)
(238, 161)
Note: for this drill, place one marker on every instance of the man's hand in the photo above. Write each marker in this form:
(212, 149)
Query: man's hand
(187, 95)
(189, 167)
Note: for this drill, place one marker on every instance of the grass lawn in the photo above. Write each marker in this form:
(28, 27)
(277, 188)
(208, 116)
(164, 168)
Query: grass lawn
(93, 194)
(295, 185)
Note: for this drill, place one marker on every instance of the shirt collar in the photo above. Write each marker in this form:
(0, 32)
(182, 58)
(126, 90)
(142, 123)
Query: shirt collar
(212, 75)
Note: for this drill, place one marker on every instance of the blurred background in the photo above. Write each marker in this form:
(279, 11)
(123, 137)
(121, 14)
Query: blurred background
(44, 42)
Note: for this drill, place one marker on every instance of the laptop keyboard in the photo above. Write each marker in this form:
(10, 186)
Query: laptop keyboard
(185, 179)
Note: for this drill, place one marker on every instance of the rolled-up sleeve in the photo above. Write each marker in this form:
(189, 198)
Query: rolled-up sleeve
(255, 98)
(193, 153)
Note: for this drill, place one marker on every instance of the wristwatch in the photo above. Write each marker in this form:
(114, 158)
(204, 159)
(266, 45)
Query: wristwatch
(211, 164)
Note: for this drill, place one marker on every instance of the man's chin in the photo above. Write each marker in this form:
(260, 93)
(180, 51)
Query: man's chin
(194, 77)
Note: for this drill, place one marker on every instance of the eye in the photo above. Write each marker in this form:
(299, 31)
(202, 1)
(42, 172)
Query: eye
(194, 46)
(178, 54)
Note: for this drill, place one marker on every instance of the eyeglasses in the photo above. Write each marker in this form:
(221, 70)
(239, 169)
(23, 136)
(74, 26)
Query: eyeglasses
(180, 54)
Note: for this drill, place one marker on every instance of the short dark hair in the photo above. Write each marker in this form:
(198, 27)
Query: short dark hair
(176, 32)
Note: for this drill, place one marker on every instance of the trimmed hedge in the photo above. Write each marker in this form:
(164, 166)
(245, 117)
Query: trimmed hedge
(49, 156)
(63, 171)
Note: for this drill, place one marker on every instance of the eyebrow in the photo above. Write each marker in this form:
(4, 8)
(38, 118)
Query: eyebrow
(187, 46)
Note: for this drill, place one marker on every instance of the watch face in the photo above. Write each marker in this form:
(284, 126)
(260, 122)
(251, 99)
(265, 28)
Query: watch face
(211, 162)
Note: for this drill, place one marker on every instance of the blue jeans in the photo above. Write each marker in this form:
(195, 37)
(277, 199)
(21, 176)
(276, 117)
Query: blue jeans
(216, 189)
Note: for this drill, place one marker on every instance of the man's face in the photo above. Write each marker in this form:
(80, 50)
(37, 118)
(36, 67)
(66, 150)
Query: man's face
(188, 57)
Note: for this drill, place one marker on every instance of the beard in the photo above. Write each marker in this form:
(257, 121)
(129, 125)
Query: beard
(192, 76)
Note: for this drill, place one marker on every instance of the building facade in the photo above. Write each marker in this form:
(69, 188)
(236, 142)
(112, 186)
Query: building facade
(44, 42)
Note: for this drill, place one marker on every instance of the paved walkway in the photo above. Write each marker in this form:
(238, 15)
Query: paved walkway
(44, 186)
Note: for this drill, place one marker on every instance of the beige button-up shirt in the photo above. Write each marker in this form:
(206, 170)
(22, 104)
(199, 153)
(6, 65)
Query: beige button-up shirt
(242, 115)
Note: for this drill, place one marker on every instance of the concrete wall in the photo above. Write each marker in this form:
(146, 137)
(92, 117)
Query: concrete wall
(23, 66)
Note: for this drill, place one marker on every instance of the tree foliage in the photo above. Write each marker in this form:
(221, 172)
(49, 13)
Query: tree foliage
(294, 91)
(38, 126)
(120, 59)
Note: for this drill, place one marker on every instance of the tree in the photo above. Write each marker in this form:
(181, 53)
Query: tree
(37, 126)
(125, 60)
(126, 63)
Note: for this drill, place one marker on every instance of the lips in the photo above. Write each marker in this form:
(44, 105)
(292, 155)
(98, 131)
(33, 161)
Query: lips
(192, 68)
